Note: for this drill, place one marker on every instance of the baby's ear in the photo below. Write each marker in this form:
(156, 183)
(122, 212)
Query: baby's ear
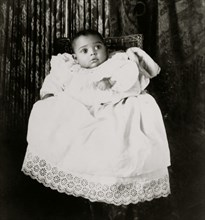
(75, 57)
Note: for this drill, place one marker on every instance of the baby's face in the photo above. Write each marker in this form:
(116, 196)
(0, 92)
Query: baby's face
(90, 51)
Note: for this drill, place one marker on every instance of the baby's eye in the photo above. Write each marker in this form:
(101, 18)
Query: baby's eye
(84, 50)
(97, 47)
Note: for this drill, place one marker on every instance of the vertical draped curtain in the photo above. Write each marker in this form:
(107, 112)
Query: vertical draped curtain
(84, 14)
(28, 29)
(181, 54)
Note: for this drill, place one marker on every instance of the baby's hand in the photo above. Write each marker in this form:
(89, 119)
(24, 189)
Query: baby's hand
(104, 84)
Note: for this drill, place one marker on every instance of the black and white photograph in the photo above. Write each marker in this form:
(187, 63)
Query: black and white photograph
(102, 109)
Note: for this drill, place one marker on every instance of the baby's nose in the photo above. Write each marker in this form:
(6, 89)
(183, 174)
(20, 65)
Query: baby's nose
(93, 52)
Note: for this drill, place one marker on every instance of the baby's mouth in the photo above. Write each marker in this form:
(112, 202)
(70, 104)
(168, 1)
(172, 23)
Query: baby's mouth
(94, 60)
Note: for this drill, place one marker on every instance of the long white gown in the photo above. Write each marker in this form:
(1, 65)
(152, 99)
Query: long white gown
(111, 148)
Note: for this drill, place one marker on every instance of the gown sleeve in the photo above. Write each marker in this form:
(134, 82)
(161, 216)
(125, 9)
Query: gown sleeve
(60, 75)
(125, 77)
(148, 67)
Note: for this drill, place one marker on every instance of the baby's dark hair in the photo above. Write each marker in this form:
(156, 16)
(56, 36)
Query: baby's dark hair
(86, 33)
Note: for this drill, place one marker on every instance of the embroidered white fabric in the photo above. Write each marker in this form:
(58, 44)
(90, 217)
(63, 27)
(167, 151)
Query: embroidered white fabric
(108, 190)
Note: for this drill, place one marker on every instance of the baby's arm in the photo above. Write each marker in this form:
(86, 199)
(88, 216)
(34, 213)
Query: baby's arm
(51, 86)
(59, 75)
(125, 77)
(147, 65)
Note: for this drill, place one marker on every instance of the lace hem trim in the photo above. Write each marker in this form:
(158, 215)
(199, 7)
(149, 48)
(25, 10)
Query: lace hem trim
(118, 194)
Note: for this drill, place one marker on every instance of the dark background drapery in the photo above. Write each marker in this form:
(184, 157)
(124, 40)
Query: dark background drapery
(173, 35)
